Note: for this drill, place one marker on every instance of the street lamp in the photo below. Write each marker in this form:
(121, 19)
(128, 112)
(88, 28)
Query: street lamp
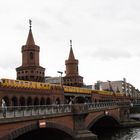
(60, 76)
(110, 87)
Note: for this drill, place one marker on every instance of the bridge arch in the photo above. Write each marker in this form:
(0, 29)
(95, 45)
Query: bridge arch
(16, 134)
(105, 121)
(79, 99)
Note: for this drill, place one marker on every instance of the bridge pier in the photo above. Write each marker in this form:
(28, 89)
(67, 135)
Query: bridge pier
(85, 135)
(79, 128)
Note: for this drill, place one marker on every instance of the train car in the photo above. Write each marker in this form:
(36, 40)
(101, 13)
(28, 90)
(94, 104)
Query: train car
(25, 84)
(7, 83)
(102, 92)
(80, 90)
(67, 89)
(119, 94)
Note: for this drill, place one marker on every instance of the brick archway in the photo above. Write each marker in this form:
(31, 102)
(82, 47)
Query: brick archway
(34, 126)
(102, 116)
(61, 128)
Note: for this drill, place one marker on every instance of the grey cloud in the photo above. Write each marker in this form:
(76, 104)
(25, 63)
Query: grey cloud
(108, 54)
(118, 10)
(11, 62)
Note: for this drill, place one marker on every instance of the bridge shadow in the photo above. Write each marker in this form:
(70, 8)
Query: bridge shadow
(51, 132)
(45, 134)
(104, 125)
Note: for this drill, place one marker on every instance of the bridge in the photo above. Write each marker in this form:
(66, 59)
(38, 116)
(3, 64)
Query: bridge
(75, 121)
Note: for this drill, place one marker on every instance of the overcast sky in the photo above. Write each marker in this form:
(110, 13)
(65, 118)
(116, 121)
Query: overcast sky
(105, 34)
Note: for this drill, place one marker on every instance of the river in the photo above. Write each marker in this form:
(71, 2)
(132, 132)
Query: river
(120, 134)
(106, 134)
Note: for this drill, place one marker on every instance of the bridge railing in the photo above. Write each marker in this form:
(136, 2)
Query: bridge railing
(26, 111)
(96, 106)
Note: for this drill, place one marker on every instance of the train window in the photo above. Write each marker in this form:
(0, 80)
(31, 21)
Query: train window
(17, 81)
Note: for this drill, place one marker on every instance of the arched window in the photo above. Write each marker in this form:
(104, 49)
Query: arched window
(36, 101)
(48, 101)
(42, 101)
(29, 101)
(14, 101)
(57, 101)
(31, 55)
(22, 101)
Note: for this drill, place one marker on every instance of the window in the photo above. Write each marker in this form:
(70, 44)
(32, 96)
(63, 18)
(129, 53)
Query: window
(31, 55)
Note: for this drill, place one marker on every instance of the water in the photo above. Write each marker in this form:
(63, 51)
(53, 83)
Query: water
(106, 134)
(120, 134)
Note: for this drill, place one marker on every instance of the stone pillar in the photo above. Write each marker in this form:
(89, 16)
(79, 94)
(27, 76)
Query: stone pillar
(80, 131)
(124, 111)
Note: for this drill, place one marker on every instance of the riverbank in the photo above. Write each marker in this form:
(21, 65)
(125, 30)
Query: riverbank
(130, 123)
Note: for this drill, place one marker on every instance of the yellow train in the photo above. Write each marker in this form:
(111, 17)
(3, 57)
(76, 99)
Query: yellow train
(24, 84)
(70, 89)
(102, 92)
(48, 86)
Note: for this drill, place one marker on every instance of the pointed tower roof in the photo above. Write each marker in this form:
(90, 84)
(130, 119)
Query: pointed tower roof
(71, 54)
(30, 39)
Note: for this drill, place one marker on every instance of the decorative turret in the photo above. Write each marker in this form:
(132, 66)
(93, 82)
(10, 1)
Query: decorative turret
(30, 69)
(72, 77)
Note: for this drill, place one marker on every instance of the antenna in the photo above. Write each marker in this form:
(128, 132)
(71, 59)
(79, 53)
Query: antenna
(70, 43)
(30, 23)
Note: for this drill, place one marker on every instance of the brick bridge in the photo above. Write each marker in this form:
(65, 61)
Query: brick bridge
(74, 120)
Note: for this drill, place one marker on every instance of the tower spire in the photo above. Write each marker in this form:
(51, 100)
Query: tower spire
(30, 69)
(71, 54)
(30, 39)
(72, 77)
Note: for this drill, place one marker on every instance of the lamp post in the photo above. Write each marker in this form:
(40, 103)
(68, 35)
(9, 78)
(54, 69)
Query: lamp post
(110, 87)
(60, 76)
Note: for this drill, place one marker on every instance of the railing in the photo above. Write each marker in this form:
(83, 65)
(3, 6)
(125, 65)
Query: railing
(40, 110)
(91, 107)
(25, 111)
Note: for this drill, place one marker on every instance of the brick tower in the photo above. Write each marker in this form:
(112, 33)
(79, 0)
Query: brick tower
(72, 77)
(30, 69)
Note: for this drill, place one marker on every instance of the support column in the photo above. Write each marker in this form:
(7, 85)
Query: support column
(80, 131)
